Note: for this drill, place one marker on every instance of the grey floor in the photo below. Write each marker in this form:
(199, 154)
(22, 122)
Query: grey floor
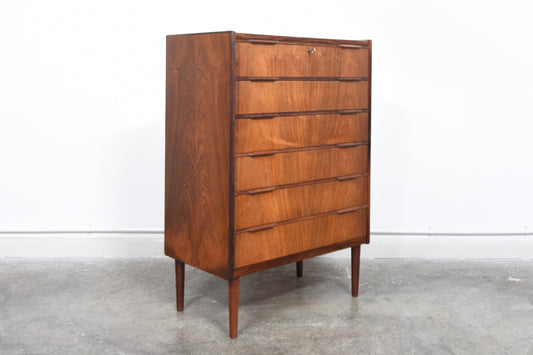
(117, 306)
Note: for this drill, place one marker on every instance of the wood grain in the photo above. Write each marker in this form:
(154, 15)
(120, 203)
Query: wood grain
(300, 60)
(197, 154)
(293, 167)
(295, 202)
(299, 96)
(299, 131)
(293, 238)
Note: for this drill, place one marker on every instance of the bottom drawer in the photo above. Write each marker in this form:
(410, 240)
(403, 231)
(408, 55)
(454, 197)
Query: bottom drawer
(293, 238)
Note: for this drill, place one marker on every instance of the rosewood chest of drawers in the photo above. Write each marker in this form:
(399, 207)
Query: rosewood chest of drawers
(267, 153)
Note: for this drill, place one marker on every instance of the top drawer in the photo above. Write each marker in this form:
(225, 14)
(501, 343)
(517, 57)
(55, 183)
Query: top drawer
(258, 59)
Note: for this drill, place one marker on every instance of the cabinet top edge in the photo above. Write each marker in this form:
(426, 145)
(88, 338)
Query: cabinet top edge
(200, 33)
(243, 37)
(282, 39)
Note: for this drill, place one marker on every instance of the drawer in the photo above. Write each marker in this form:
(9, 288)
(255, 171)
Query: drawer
(292, 167)
(295, 202)
(291, 238)
(299, 131)
(297, 96)
(257, 59)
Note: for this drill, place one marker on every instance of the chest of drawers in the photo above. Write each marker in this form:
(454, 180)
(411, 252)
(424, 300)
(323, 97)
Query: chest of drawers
(267, 155)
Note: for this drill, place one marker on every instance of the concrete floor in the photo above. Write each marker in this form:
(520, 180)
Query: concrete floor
(117, 306)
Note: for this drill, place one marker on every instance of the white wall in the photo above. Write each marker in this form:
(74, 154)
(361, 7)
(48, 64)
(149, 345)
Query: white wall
(82, 107)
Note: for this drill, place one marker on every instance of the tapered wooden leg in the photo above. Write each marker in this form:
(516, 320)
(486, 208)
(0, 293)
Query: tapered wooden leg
(356, 259)
(299, 268)
(233, 293)
(180, 283)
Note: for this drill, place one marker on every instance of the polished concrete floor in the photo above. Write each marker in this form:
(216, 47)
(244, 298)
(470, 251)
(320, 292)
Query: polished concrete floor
(127, 306)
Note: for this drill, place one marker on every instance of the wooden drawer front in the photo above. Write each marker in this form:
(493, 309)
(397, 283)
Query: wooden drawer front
(292, 238)
(297, 96)
(290, 203)
(300, 60)
(293, 167)
(299, 131)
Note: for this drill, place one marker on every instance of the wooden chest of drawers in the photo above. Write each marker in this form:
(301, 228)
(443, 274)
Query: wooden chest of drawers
(267, 153)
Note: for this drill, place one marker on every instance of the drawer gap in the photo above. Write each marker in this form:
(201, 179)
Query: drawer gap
(298, 78)
(300, 113)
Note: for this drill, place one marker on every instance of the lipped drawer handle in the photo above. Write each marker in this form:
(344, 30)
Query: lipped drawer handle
(264, 117)
(348, 145)
(347, 210)
(261, 191)
(351, 79)
(347, 112)
(262, 79)
(275, 78)
(260, 116)
(262, 154)
(350, 46)
(348, 177)
(261, 228)
(262, 41)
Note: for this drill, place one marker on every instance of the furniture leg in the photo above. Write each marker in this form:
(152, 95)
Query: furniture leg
(299, 268)
(180, 283)
(233, 293)
(356, 259)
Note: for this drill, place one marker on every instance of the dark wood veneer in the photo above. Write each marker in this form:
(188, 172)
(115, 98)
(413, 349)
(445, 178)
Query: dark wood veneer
(299, 131)
(267, 153)
(286, 96)
(277, 169)
(297, 184)
(291, 238)
(302, 59)
(197, 160)
(299, 219)
(263, 153)
(305, 200)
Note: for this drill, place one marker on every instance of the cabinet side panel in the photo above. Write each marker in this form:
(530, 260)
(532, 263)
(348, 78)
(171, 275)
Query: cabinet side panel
(197, 165)
(369, 136)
